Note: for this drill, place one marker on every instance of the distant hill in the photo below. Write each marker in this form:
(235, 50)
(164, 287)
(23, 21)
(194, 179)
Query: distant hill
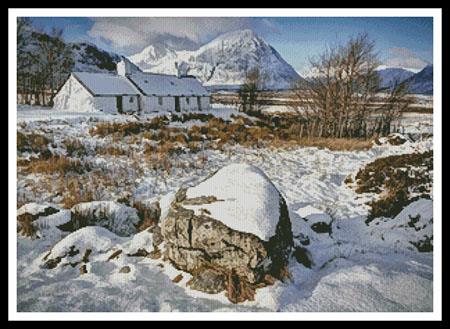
(421, 82)
(390, 76)
(90, 58)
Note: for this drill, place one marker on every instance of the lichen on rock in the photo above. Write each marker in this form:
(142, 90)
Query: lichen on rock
(221, 257)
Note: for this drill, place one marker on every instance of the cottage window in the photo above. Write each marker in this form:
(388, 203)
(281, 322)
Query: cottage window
(160, 100)
(131, 99)
(187, 100)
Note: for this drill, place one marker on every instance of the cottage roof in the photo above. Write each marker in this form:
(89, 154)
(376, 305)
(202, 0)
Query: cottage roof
(167, 85)
(105, 84)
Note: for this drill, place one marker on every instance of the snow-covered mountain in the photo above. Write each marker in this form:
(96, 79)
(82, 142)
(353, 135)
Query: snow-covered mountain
(389, 76)
(422, 82)
(223, 61)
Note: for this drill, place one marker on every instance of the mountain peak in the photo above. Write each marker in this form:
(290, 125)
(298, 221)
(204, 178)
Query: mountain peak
(224, 61)
(248, 33)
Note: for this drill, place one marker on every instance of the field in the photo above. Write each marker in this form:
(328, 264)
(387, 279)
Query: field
(384, 264)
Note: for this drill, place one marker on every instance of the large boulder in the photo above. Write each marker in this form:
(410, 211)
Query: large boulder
(232, 231)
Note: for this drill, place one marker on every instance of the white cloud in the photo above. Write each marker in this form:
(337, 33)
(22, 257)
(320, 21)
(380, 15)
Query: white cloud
(130, 34)
(405, 58)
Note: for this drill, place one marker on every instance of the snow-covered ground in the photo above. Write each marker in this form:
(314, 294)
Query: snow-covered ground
(355, 268)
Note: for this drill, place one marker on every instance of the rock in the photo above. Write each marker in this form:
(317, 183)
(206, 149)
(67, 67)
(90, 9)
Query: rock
(238, 290)
(83, 269)
(157, 236)
(303, 256)
(319, 221)
(245, 231)
(321, 227)
(208, 280)
(155, 254)
(411, 229)
(32, 217)
(125, 269)
(86, 256)
(149, 214)
(114, 255)
(116, 217)
(52, 263)
(392, 139)
(177, 279)
(141, 252)
(78, 246)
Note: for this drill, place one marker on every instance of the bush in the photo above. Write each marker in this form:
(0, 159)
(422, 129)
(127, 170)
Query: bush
(75, 148)
(34, 143)
(400, 179)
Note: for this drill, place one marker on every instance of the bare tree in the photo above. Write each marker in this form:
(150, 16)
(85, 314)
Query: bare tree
(248, 93)
(55, 60)
(43, 63)
(339, 101)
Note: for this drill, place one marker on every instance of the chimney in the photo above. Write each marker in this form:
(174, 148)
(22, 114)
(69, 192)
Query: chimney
(178, 70)
(182, 69)
(125, 67)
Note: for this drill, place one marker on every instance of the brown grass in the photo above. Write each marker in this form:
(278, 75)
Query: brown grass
(333, 144)
(111, 150)
(75, 148)
(57, 164)
(396, 178)
(149, 216)
(35, 143)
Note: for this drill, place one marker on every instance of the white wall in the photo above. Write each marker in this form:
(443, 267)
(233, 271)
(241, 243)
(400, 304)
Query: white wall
(127, 106)
(188, 106)
(204, 102)
(105, 104)
(73, 97)
(150, 104)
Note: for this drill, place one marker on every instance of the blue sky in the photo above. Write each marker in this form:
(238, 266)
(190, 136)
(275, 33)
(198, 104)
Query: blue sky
(400, 41)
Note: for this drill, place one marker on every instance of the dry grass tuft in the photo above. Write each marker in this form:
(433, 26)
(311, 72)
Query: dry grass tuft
(57, 164)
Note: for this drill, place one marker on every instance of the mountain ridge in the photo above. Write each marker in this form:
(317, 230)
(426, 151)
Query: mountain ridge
(224, 61)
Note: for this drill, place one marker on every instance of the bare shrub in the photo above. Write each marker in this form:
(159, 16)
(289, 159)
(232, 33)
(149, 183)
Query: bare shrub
(35, 143)
(75, 148)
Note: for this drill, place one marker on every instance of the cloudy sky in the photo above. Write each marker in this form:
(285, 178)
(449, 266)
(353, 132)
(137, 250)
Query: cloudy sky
(401, 41)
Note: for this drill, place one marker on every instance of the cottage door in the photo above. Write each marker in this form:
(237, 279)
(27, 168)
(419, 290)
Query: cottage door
(177, 103)
(119, 104)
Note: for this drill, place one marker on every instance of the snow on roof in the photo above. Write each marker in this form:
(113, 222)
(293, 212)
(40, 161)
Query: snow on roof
(105, 83)
(250, 201)
(167, 85)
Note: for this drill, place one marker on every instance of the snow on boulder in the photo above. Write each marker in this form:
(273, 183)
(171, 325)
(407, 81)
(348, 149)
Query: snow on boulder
(392, 139)
(33, 219)
(116, 217)
(249, 200)
(235, 226)
(411, 229)
(319, 221)
(79, 246)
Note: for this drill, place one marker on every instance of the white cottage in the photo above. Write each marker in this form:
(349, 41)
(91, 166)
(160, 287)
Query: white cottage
(131, 90)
